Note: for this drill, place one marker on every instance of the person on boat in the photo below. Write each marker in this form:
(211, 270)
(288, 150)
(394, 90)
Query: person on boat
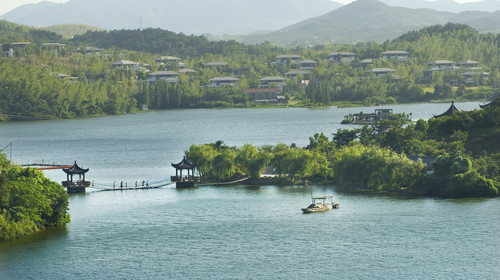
(121, 185)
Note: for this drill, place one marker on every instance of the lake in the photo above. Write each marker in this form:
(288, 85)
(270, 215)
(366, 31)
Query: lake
(235, 232)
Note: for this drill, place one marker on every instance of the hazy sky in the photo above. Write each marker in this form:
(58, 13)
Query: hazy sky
(7, 5)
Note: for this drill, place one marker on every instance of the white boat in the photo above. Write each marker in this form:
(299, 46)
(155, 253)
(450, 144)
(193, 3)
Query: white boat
(321, 204)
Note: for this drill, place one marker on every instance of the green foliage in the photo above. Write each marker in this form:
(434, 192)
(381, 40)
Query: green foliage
(300, 163)
(252, 160)
(445, 126)
(320, 143)
(461, 165)
(31, 87)
(489, 166)
(374, 157)
(456, 177)
(421, 126)
(29, 202)
(372, 166)
(345, 136)
(29, 91)
(367, 165)
(221, 164)
(70, 30)
(156, 41)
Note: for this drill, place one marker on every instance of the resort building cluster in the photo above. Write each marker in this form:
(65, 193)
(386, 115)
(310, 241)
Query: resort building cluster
(169, 68)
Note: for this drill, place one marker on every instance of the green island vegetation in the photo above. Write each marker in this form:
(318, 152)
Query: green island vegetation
(29, 202)
(464, 148)
(47, 76)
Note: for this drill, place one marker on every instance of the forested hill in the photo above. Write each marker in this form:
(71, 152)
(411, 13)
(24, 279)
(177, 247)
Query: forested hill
(187, 16)
(11, 32)
(156, 41)
(70, 30)
(371, 20)
(150, 40)
(450, 41)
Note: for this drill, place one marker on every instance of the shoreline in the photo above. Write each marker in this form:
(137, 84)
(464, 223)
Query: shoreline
(341, 105)
(270, 180)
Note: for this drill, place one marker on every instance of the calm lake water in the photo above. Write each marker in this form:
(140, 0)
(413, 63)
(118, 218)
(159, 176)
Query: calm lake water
(235, 232)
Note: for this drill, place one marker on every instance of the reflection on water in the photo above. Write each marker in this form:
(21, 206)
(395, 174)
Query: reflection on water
(47, 235)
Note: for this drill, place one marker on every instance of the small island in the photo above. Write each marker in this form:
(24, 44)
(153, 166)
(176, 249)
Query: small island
(376, 117)
(451, 155)
(369, 118)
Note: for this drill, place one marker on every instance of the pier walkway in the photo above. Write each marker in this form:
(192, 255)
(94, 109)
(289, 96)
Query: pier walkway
(121, 187)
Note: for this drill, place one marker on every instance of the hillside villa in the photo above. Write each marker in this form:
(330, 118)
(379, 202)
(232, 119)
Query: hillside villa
(264, 95)
(398, 55)
(273, 82)
(308, 64)
(381, 72)
(169, 76)
(471, 77)
(224, 81)
(341, 57)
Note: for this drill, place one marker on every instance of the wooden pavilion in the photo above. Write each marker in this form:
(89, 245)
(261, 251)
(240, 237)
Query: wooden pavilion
(78, 186)
(184, 181)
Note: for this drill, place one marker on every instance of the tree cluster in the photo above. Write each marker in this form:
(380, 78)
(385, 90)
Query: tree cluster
(454, 176)
(375, 157)
(321, 161)
(29, 202)
(29, 91)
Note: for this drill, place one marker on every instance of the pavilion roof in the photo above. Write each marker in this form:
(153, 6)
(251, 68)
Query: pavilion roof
(75, 169)
(492, 103)
(184, 164)
(448, 112)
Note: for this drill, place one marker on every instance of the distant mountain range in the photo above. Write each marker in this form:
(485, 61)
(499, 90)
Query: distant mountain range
(447, 5)
(278, 21)
(187, 16)
(372, 20)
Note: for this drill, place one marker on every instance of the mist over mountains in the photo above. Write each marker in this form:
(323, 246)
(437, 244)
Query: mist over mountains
(447, 5)
(187, 16)
(372, 20)
(277, 21)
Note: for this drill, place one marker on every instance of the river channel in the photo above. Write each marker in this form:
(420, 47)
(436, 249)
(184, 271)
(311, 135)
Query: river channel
(235, 232)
